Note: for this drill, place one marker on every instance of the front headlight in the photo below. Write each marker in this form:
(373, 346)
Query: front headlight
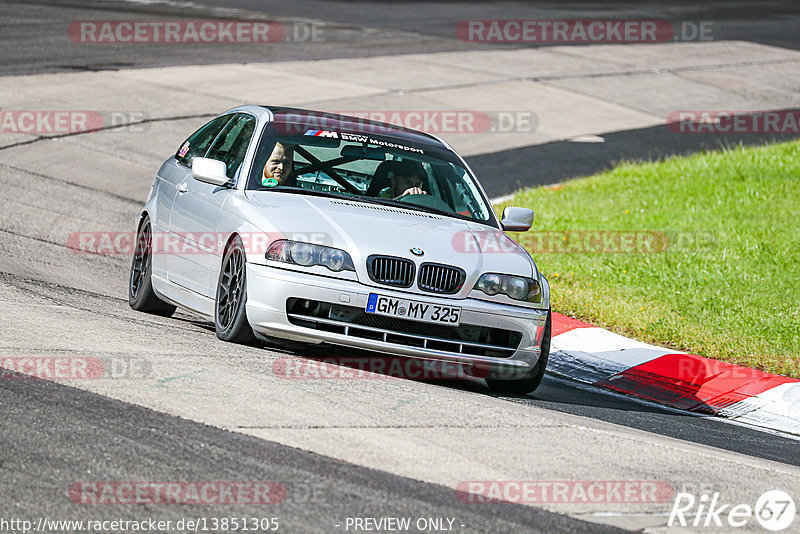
(302, 254)
(308, 254)
(515, 287)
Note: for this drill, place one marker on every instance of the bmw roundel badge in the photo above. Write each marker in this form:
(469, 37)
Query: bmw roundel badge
(417, 251)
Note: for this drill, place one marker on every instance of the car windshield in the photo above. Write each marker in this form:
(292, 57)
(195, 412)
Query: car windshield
(367, 168)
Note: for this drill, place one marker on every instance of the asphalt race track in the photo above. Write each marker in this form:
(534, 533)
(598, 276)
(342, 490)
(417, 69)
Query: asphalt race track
(196, 409)
(408, 27)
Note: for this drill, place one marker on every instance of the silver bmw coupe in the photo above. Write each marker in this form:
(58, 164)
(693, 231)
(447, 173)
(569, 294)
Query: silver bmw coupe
(295, 225)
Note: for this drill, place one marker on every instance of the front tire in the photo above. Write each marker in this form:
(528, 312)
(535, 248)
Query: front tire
(533, 379)
(230, 315)
(141, 296)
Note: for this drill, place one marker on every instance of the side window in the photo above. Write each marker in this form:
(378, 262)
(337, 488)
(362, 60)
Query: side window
(232, 142)
(197, 144)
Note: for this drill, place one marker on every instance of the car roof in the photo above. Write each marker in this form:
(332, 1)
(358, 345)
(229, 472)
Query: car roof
(358, 125)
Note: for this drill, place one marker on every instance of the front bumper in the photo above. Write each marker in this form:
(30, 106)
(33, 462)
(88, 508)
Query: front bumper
(269, 289)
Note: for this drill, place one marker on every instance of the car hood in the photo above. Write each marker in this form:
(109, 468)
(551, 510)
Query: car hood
(363, 229)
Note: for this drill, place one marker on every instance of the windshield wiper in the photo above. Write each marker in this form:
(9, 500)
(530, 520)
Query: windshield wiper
(370, 200)
(312, 192)
(417, 207)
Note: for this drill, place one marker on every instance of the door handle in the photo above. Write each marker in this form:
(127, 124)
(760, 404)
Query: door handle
(182, 188)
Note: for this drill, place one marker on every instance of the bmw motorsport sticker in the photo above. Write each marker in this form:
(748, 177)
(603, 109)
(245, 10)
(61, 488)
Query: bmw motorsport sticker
(361, 138)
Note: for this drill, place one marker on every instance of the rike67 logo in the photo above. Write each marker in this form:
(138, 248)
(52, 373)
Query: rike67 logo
(774, 510)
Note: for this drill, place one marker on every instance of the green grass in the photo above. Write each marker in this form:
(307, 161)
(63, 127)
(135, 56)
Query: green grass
(727, 284)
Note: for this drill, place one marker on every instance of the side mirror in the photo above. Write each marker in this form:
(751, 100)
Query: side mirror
(517, 219)
(210, 171)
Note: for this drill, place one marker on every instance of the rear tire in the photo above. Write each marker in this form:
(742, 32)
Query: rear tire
(141, 296)
(533, 379)
(230, 315)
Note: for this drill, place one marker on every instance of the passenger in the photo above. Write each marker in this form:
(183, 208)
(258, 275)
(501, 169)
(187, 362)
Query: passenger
(278, 169)
(408, 178)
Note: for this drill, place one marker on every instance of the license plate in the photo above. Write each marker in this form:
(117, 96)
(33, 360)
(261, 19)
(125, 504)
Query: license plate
(414, 310)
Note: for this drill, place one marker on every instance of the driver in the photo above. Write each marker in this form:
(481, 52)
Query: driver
(278, 169)
(408, 178)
